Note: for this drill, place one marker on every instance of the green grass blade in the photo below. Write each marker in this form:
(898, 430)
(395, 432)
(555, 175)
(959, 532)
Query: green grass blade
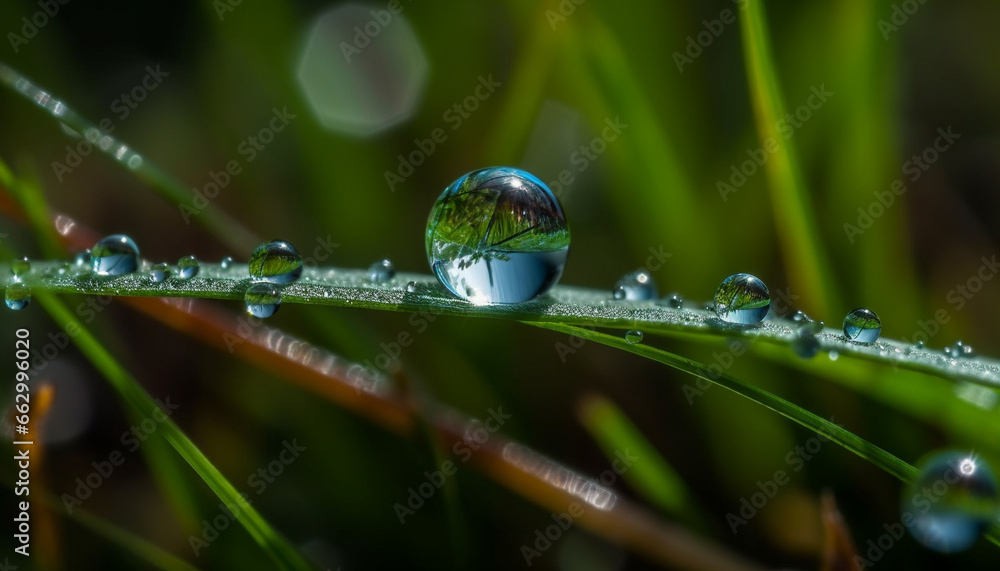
(129, 542)
(842, 436)
(654, 478)
(563, 304)
(270, 540)
(804, 255)
(226, 229)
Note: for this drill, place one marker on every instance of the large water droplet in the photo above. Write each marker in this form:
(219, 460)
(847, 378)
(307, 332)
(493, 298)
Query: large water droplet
(17, 296)
(953, 500)
(635, 286)
(20, 267)
(743, 299)
(959, 350)
(187, 267)
(633, 336)
(381, 271)
(159, 272)
(497, 235)
(262, 299)
(114, 256)
(277, 262)
(862, 326)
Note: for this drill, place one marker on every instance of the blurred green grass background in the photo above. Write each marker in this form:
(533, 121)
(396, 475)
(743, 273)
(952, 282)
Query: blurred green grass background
(654, 188)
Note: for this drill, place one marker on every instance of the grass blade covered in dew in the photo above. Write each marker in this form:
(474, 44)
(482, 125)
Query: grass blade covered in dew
(804, 257)
(565, 305)
(223, 227)
(271, 541)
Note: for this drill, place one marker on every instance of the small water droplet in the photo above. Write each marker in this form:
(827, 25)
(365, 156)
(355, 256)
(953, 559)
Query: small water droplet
(17, 296)
(743, 299)
(381, 271)
(800, 317)
(411, 287)
(159, 272)
(834, 355)
(114, 256)
(633, 336)
(262, 299)
(497, 235)
(20, 267)
(636, 286)
(187, 267)
(805, 344)
(919, 345)
(82, 260)
(277, 262)
(964, 501)
(862, 326)
(959, 350)
(673, 300)
(226, 262)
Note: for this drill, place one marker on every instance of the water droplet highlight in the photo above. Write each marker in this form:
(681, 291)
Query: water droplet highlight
(115, 255)
(636, 286)
(411, 287)
(633, 336)
(964, 501)
(226, 262)
(159, 272)
(20, 267)
(862, 326)
(277, 262)
(187, 267)
(742, 299)
(262, 299)
(381, 271)
(497, 235)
